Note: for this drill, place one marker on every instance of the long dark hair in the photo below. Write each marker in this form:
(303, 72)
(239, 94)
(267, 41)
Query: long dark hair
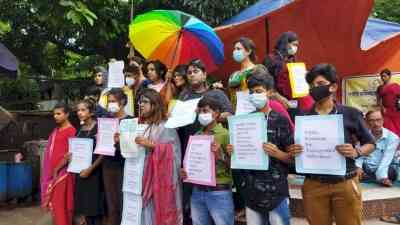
(158, 114)
(284, 40)
(249, 45)
(90, 104)
(160, 68)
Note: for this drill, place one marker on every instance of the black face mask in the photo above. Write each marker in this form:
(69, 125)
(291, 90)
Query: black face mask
(320, 92)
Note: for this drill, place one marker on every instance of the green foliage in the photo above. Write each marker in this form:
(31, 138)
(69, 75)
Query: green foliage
(4, 28)
(78, 12)
(64, 39)
(387, 10)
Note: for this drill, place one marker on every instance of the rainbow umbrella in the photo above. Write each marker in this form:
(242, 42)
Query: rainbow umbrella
(175, 37)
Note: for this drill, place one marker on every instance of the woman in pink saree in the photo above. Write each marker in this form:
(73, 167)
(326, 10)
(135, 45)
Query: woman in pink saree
(56, 183)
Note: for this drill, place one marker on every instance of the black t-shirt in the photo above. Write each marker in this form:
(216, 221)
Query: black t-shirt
(354, 124)
(263, 191)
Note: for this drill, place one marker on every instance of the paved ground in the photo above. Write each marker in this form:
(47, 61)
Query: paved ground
(31, 215)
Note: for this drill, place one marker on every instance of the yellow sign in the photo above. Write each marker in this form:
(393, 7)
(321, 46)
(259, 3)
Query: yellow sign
(297, 77)
(360, 91)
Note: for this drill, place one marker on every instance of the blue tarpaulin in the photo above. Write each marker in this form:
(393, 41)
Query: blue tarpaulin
(375, 31)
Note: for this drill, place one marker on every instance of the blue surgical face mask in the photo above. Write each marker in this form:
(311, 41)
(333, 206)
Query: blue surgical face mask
(292, 50)
(259, 100)
(238, 56)
(129, 81)
(113, 107)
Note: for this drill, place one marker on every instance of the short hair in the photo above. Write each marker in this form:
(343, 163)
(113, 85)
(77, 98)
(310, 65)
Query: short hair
(198, 64)
(137, 59)
(372, 111)
(160, 68)
(249, 45)
(386, 71)
(132, 69)
(261, 78)
(325, 70)
(119, 94)
(210, 102)
(64, 106)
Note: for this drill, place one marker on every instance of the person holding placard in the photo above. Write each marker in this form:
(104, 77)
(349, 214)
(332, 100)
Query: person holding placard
(57, 185)
(88, 196)
(285, 52)
(135, 83)
(266, 193)
(209, 201)
(112, 166)
(197, 88)
(329, 198)
(161, 193)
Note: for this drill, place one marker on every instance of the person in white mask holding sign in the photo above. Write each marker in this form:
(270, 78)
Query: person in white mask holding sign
(113, 165)
(135, 83)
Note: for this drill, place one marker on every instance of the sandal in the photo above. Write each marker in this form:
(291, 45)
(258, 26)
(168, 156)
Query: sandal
(391, 219)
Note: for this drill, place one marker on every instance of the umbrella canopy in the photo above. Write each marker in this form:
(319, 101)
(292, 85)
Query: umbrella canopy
(8, 62)
(175, 37)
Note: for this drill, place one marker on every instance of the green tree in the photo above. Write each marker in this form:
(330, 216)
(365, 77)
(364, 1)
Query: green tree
(44, 34)
(387, 10)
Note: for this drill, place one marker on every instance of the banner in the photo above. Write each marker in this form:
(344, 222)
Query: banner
(360, 91)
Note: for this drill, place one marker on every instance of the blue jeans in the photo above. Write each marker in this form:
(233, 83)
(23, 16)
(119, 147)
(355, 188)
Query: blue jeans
(278, 216)
(215, 205)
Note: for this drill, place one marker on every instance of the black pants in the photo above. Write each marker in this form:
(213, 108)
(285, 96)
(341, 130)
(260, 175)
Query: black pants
(112, 178)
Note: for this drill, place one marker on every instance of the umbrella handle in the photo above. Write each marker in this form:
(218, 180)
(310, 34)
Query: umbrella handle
(176, 48)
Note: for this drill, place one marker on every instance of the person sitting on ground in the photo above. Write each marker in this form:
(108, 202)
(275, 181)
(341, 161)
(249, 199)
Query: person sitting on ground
(377, 165)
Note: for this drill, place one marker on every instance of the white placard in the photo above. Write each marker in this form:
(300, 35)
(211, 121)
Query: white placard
(183, 113)
(116, 78)
(81, 150)
(106, 129)
(132, 209)
(133, 174)
(199, 161)
(319, 136)
(247, 134)
(243, 104)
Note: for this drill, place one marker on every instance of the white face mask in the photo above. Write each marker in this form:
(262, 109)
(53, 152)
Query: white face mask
(205, 118)
(259, 100)
(113, 107)
(292, 50)
(129, 81)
